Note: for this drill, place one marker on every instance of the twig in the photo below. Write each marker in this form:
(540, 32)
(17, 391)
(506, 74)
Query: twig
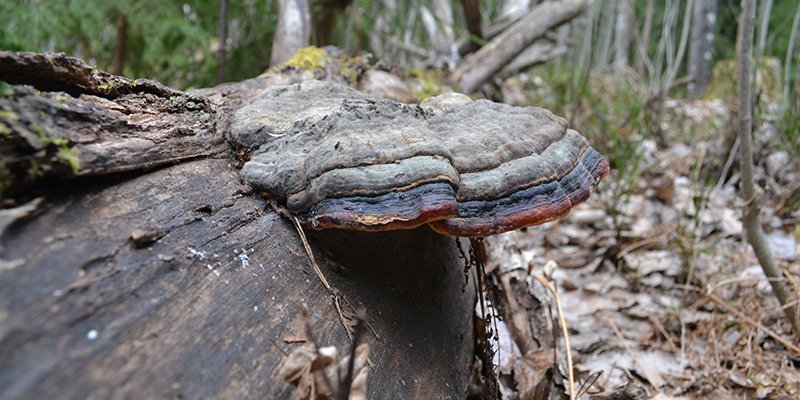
(663, 331)
(492, 390)
(644, 242)
(549, 286)
(727, 167)
(631, 353)
(336, 296)
(731, 309)
(310, 254)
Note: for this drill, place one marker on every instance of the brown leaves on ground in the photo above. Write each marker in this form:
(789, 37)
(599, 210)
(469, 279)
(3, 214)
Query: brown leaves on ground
(318, 375)
(665, 264)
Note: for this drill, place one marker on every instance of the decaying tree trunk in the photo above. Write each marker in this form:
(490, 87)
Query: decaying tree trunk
(144, 267)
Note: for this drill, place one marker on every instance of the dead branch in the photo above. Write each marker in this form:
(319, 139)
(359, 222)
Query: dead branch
(486, 62)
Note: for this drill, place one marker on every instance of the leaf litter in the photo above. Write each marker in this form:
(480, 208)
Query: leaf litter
(662, 295)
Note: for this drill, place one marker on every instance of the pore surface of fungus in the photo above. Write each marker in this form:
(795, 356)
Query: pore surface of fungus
(336, 158)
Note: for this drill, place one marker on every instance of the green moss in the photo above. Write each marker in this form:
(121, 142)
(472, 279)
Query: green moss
(308, 58)
(39, 131)
(5, 130)
(428, 82)
(724, 79)
(351, 68)
(116, 86)
(9, 115)
(69, 158)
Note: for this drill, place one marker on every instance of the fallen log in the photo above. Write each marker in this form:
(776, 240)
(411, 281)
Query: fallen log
(148, 269)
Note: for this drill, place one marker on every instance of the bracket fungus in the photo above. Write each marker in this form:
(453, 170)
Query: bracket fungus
(336, 158)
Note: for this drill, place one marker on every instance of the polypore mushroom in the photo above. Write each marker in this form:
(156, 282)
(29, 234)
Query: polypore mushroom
(336, 158)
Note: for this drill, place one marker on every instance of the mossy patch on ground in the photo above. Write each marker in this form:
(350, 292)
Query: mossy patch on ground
(427, 82)
(308, 58)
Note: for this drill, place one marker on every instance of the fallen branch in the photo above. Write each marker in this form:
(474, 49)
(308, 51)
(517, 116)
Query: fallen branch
(733, 310)
(491, 58)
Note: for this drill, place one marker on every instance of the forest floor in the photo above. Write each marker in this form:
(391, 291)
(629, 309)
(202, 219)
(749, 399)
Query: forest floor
(660, 290)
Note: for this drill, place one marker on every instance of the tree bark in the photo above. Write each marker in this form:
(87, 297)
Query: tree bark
(121, 44)
(293, 31)
(701, 47)
(751, 221)
(223, 40)
(480, 66)
(472, 15)
(132, 281)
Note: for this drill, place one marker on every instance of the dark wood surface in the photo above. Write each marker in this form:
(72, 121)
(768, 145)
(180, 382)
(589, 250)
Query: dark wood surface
(175, 280)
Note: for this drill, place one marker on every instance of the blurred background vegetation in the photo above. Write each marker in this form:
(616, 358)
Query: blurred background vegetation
(175, 41)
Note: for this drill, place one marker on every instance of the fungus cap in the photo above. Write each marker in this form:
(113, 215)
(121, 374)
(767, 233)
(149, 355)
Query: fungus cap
(336, 158)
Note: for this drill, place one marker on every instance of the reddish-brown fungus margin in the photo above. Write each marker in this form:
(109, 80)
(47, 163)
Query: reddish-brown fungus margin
(338, 159)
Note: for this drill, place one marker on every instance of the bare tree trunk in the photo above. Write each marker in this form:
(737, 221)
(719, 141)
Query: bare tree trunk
(294, 29)
(584, 61)
(702, 45)
(472, 14)
(623, 34)
(439, 26)
(763, 26)
(606, 29)
(647, 29)
(326, 13)
(120, 46)
(787, 64)
(483, 64)
(223, 40)
(751, 212)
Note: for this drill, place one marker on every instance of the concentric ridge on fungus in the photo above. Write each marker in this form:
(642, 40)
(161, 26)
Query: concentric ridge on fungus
(338, 159)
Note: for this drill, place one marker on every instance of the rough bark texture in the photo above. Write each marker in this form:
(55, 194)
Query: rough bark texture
(484, 63)
(178, 281)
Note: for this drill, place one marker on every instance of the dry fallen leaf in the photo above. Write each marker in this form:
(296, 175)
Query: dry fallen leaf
(317, 375)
